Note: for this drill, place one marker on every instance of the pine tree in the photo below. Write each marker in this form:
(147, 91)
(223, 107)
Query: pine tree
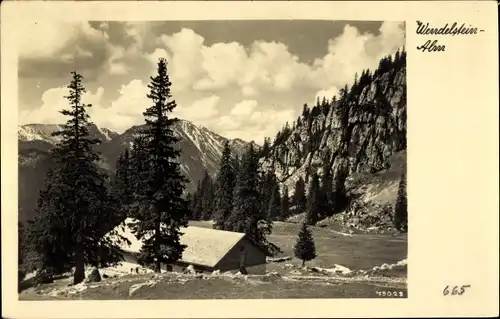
(74, 212)
(274, 204)
(193, 202)
(339, 199)
(314, 201)
(268, 183)
(139, 169)
(285, 204)
(305, 111)
(266, 148)
(122, 186)
(207, 196)
(304, 249)
(164, 211)
(246, 209)
(327, 190)
(299, 196)
(21, 251)
(225, 185)
(197, 203)
(401, 209)
(189, 200)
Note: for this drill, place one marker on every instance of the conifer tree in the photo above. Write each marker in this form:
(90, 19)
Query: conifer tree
(21, 251)
(314, 201)
(139, 169)
(339, 199)
(285, 204)
(122, 186)
(197, 202)
(299, 196)
(304, 249)
(74, 212)
(164, 211)
(225, 185)
(327, 190)
(274, 204)
(401, 209)
(246, 209)
(207, 196)
(268, 184)
(189, 200)
(266, 148)
(192, 204)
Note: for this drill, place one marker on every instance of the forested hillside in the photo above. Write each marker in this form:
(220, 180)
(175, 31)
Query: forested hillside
(346, 154)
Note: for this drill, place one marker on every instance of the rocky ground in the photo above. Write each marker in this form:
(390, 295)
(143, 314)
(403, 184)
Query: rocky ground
(348, 265)
(290, 281)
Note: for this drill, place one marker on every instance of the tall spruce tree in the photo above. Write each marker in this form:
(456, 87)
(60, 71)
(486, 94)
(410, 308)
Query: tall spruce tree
(299, 196)
(327, 190)
(268, 184)
(247, 211)
(274, 204)
(21, 252)
(197, 202)
(304, 249)
(189, 200)
(224, 192)
(207, 196)
(139, 169)
(401, 209)
(122, 186)
(74, 212)
(164, 211)
(338, 198)
(285, 204)
(314, 201)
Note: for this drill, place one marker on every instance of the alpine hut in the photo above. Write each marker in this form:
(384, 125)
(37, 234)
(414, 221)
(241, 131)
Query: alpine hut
(207, 250)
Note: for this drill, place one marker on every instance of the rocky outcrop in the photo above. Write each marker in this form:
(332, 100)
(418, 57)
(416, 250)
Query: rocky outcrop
(357, 133)
(94, 276)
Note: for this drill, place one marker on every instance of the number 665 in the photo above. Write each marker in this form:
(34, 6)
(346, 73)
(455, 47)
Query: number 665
(456, 290)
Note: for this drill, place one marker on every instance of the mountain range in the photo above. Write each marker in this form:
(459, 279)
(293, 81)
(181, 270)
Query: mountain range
(201, 150)
(357, 142)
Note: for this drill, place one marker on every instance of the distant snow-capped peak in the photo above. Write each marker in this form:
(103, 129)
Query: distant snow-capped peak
(38, 132)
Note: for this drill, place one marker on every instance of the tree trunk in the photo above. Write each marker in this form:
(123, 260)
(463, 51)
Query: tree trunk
(157, 249)
(303, 263)
(79, 275)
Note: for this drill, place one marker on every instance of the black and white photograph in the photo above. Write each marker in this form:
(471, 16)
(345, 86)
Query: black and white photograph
(212, 160)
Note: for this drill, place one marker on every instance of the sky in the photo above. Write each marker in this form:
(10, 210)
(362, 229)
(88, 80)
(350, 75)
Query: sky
(240, 79)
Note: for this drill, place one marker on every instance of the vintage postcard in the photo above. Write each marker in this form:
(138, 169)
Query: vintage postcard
(249, 159)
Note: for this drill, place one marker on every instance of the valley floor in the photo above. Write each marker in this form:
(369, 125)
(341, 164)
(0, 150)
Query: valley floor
(347, 266)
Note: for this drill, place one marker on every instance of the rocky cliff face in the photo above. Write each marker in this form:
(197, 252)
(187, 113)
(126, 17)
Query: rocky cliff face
(357, 133)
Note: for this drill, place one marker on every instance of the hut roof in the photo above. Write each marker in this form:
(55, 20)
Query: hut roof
(205, 246)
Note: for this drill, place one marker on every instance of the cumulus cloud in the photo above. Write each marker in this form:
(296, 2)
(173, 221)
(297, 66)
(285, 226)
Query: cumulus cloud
(123, 113)
(53, 101)
(156, 55)
(352, 52)
(244, 108)
(252, 122)
(115, 63)
(46, 39)
(126, 110)
(269, 66)
(200, 111)
(184, 64)
(327, 93)
(207, 74)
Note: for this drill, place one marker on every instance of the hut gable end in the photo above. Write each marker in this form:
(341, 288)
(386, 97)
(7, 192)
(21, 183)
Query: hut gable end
(245, 253)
